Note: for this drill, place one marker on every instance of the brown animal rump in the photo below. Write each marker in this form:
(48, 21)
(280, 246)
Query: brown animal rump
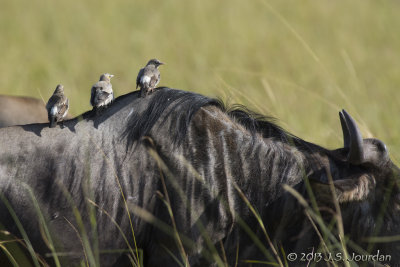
(18, 110)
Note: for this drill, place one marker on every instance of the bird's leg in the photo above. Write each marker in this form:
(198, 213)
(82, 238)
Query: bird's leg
(143, 92)
(147, 92)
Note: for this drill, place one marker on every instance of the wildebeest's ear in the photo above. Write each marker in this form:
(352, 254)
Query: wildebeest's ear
(375, 151)
(360, 150)
(346, 190)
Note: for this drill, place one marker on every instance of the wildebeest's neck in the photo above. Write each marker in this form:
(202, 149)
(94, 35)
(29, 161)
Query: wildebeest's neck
(237, 144)
(217, 158)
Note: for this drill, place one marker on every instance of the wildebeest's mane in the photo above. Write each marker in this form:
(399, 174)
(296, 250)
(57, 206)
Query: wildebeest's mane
(266, 126)
(257, 123)
(183, 105)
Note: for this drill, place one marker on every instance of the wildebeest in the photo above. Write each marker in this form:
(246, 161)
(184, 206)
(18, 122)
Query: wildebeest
(18, 110)
(183, 163)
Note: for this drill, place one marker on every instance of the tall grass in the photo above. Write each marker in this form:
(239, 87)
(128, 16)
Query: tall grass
(332, 238)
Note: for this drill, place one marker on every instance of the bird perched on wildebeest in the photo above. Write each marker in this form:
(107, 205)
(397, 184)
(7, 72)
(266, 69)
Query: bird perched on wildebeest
(102, 93)
(148, 77)
(57, 106)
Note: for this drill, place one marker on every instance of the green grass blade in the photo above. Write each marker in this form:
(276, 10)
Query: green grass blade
(21, 230)
(43, 224)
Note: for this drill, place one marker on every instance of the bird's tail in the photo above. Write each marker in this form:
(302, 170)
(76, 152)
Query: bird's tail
(53, 122)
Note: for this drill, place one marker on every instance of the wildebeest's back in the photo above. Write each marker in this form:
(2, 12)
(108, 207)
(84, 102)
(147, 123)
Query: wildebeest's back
(81, 161)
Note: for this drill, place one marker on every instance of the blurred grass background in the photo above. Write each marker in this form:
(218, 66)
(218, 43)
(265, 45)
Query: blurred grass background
(299, 61)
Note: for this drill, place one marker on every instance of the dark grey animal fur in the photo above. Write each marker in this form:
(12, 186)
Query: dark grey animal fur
(198, 151)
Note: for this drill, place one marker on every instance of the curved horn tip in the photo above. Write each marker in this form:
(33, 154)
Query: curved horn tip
(346, 113)
(345, 130)
(356, 152)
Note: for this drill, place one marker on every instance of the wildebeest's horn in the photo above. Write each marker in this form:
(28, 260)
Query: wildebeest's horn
(355, 140)
(345, 130)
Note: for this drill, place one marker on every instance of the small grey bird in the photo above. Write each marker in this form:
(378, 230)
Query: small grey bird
(102, 93)
(148, 77)
(57, 106)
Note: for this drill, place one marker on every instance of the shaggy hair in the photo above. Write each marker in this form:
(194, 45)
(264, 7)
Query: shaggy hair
(188, 103)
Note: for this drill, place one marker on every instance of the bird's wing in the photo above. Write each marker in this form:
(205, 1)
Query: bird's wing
(51, 102)
(67, 104)
(102, 95)
(48, 106)
(64, 100)
(107, 87)
(138, 77)
(92, 95)
(63, 107)
(154, 80)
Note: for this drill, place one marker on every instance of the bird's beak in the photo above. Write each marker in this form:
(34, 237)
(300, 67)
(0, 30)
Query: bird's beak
(162, 63)
(111, 75)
